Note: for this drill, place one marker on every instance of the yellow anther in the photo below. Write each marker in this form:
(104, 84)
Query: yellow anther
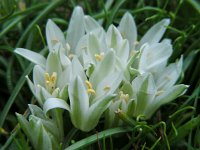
(92, 91)
(68, 46)
(136, 42)
(89, 85)
(106, 88)
(118, 111)
(123, 35)
(99, 57)
(54, 41)
(123, 96)
(167, 77)
(54, 77)
(47, 77)
(71, 56)
(158, 93)
(3, 131)
(50, 81)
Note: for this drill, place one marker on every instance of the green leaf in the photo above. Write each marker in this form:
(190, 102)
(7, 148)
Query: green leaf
(184, 130)
(13, 95)
(94, 138)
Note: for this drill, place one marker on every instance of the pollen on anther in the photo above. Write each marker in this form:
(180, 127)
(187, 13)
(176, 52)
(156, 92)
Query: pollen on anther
(54, 41)
(92, 91)
(88, 84)
(159, 92)
(106, 88)
(99, 57)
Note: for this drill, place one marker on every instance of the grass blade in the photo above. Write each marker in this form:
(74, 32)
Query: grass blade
(91, 139)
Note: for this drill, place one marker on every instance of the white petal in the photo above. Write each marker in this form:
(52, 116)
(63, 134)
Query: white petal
(87, 60)
(64, 77)
(65, 61)
(76, 28)
(53, 63)
(111, 81)
(166, 41)
(145, 89)
(38, 75)
(154, 57)
(54, 35)
(128, 29)
(90, 24)
(79, 102)
(81, 45)
(45, 94)
(123, 52)
(113, 38)
(53, 103)
(171, 94)
(34, 57)
(155, 33)
(95, 112)
(94, 46)
(169, 75)
(105, 67)
(77, 69)
(31, 85)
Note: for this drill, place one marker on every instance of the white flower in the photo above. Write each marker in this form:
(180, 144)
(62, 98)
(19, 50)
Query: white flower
(148, 97)
(90, 98)
(50, 76)
(90, 63)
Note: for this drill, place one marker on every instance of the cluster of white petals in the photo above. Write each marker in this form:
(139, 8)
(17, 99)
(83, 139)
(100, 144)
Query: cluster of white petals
(92, 72)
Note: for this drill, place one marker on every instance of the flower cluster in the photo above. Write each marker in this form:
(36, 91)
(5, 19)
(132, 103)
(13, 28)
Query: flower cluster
(92, 72)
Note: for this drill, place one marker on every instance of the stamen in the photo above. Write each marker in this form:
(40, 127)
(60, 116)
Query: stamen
(54, 41)
(88, 84)
(106, 88)
(136, 43)
(68, 46)
(167, 77)
(89, 87)
(47, 77)
(50, 81)
(54, 77)
(92, 91)
(70, 56)
(99, 57)
(158, 93)
(123, 96)
(118, 111)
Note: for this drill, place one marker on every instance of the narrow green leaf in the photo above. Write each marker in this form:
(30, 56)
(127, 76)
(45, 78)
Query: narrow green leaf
(14, 94)
(184, 130)
(92, 139)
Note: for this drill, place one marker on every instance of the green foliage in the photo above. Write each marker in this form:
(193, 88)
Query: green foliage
(174, 126)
